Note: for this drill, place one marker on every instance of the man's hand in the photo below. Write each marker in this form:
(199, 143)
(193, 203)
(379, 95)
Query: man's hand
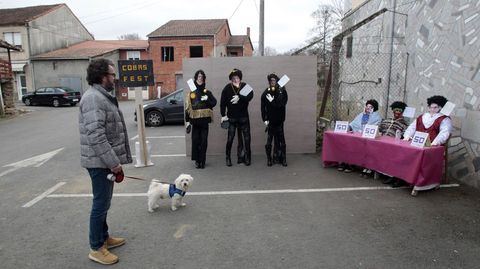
(235, 99)
(117, 169)
(224, 118)
(406, 138)
(204, 98)
(266, 122)
(269, 98)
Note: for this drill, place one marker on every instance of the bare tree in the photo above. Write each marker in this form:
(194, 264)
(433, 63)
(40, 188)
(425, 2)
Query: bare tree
(328, 24)
(132, 36)
(268, 51)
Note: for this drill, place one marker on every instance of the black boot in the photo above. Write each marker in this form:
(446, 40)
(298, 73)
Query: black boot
(228, 160)
(247, 158)
(197, 164)
(284, 156)
(268, 150)
(202, 165)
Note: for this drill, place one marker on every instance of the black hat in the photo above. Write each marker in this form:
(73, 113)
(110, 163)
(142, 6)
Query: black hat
(235, 72)
(398, 104)
(437, 99)
(374, 103)
(272, 75)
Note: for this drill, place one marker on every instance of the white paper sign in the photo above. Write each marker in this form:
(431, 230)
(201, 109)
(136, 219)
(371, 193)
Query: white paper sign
(341, 127)
(191, 85)
(370, 131)
(420, 140)
(246, 90)
(409, 112)
(283, 81)
(447, 108)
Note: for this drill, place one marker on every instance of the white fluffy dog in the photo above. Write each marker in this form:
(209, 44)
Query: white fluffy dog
(176, 191)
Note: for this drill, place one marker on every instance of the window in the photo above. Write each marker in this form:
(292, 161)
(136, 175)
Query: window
(349, 46)
(167, 54)
(133, 55)
(41, 90)
(14, 38)
(196, 51)
(179, 96)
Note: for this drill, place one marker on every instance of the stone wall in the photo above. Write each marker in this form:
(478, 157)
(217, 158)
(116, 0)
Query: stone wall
(441, 39)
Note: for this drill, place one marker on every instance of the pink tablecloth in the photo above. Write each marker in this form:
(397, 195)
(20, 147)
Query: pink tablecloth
(419, 167)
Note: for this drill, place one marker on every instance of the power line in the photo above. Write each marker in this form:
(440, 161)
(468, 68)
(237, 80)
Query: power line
(241, 1)
(123, 13)
(255, 2)
(113, 10)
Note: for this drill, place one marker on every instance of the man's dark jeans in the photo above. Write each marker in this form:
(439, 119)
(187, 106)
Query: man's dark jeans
(102, 190)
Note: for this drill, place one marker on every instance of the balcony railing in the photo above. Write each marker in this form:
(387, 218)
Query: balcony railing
(5, 70)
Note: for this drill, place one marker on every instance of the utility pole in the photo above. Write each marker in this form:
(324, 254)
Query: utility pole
(261, 29)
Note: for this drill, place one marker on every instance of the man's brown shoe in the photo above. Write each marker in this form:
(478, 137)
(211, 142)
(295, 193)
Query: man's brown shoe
(113, 242)
(103, 256)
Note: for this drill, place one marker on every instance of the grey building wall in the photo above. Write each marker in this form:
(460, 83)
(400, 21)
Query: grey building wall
(57, 29)
(443, 46)
(61, 73)
(300, 124)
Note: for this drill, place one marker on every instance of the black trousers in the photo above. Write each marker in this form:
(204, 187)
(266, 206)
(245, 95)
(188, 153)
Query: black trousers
(199, 142)
(242, 125)
(276, 133)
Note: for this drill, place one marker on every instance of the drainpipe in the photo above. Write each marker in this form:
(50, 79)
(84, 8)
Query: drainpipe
(391, 57)
(214, 45)
(30, 55)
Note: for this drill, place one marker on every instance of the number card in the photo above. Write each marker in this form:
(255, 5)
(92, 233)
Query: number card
(191, 85)
(341, 127)
(284, 80)
(370, 131)
(409, 112)
(420, 140)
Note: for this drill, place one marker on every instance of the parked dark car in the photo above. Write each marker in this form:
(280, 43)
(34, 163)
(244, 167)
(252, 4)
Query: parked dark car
(166, 109)
(55, 96)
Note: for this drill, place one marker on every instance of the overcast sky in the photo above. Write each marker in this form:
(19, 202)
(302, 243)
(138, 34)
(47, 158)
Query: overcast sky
(287, 22)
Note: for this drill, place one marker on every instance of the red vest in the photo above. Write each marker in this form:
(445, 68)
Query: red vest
(433, 130)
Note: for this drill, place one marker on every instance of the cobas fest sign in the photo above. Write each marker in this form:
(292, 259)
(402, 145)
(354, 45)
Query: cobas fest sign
(135, 73)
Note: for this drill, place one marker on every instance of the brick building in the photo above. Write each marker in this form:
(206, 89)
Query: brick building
(179, 39)
(67, 67)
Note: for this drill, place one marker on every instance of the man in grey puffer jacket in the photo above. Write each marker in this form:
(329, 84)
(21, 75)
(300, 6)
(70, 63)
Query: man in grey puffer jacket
(104, 148)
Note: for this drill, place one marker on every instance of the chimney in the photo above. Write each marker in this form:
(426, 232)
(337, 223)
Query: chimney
(248, 31)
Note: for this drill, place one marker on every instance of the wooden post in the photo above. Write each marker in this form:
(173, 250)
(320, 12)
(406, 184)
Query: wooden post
(141, 128)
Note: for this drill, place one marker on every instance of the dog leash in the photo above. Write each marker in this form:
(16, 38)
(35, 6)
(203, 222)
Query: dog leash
(143, 179)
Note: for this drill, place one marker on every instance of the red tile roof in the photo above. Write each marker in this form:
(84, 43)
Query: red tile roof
(18, 16)
(237, 40)
(93, 48)
(189, 28)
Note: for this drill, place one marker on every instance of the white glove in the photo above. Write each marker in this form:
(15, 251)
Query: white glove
(225, 118)
(434, 143)
(235, 99)
(187, 124)
(406, 138)
(266, 122)
(204, 98)
(269, 97)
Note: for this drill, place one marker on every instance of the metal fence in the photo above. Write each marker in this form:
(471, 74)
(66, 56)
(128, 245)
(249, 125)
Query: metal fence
(364, 76)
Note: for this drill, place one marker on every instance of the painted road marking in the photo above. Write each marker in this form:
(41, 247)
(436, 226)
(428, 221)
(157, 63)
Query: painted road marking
(82, 195)
(43, 195)
(160, 137)
(35, 161)
(165, 155)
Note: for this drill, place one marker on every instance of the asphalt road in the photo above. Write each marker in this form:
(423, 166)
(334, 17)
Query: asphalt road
(300, 216)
